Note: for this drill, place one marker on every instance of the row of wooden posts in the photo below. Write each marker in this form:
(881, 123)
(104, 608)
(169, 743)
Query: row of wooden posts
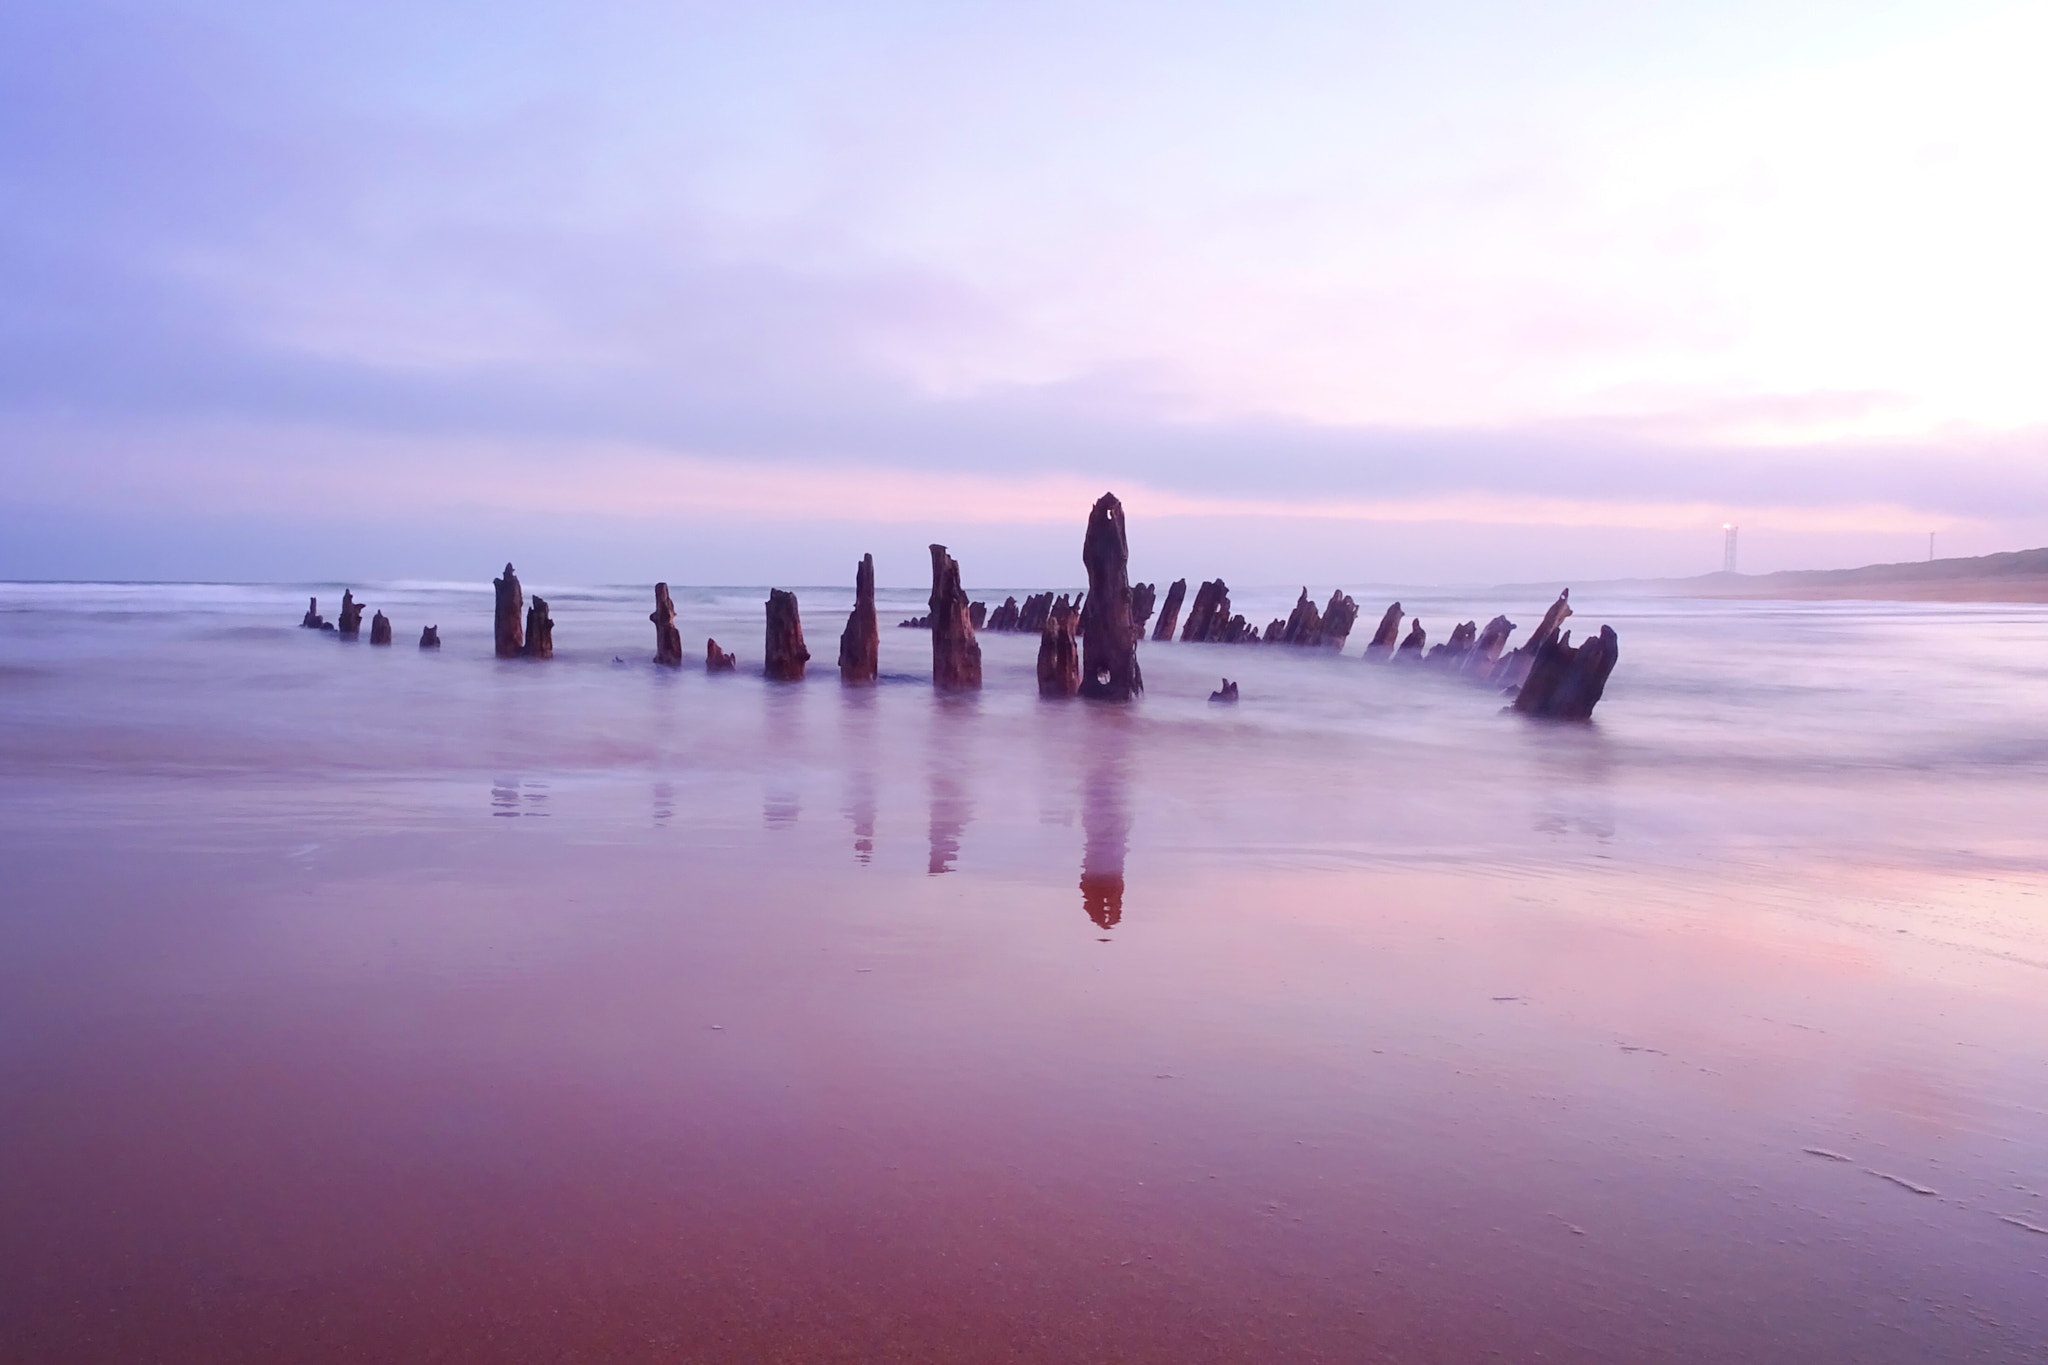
(1088, 647)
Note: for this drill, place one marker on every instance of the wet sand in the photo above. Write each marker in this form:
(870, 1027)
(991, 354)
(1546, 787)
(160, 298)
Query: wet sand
(695, 1020)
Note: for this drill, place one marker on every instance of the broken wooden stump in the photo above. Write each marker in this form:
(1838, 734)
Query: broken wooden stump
(1109, 642)
(1486, 649)
(1059, 652)
(430, 638)
(351, 624)
(1411, 648)
(915, 623)
(1338, 618)
(1003, 618)
(1566, 683)
(1276, 632)
(956, 654)
(1513, 669)
(668, 641)
(783, 654)
(312, 619)
(1169, 614)
(1142, 598)
(509, 633)
(717, 660)
(860, 644)
(540, 631)
(1209, 615)
(1226, 693)
(1304, 626)
(1388, 637)
(1031, 617)
(380, 629)
(1450, 655)
(977, 614)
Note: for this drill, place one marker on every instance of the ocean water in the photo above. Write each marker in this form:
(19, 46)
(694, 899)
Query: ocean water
(364, 1003)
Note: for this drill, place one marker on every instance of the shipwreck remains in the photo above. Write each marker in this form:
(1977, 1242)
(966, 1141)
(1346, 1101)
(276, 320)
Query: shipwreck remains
(312, 620)
(380, 629)
(1109, 640)
(1169, 614)
(1412, 647)
(860, 644)
(977, 614)
(1143, 596)
(351, 624)
(1387, 637)
(717, 660)
(956, 654)
(540, 630)
(783, 655)
(1514, 667)
(1209, 616)
(1059, 653)
(1566, 683)
(430, 638)
(1225, 693)
(511, 636)
(1003, 618)
(668, 641)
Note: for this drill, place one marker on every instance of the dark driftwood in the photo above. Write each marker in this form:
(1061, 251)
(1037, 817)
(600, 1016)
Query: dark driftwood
(540, 630)
(430, 638)
(1338, 618)
(860, 644)
(351, 624)
(1059, 654)
(717, 660)
(956, 654)
(977, 614)
(1109, 641)
(1228, 692)
(1450, 655)
(380, 629)
(1304, 626)
(784, 655)
(915, 623)
(312, 619)
(1486, 649)
(1209, 617)
(1566, 683)
(1169, 614)
(510, 634)
(1388, 636)
(1513, 669)
(668, 641)
(1143, 596)
(1412, 647)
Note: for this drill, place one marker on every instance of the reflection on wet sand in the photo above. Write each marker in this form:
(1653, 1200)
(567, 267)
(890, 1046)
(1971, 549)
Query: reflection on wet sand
(1105, 825)
(858, 716)
(951, 812)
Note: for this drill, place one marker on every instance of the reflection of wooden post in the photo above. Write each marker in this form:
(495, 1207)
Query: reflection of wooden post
(783, 655)
(956, 654)
(668, 641)
(511, 636)
(540, 631)
(860, 645)
(1109, 643)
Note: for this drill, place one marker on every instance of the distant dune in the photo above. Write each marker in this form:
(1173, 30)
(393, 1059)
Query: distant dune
(2015, 576)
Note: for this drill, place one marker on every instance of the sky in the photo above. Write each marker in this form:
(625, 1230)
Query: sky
(1434, 292)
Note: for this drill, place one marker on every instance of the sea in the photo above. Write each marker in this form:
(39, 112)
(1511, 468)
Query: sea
(366, 1003)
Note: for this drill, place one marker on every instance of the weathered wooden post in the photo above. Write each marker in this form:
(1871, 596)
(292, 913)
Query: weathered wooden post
(380, 629)
(784, 655)
(430, 638)
(540, 630)
(1388, 637)
(510, 635)
(668, 641)
(956, 654)
(1059, 657)
(717, 660)
(1109, 642)
(860, 644)
(1169, 615)
(351, 623)
(1411, 648)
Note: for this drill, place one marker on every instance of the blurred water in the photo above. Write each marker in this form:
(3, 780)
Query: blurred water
(655, 1014)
